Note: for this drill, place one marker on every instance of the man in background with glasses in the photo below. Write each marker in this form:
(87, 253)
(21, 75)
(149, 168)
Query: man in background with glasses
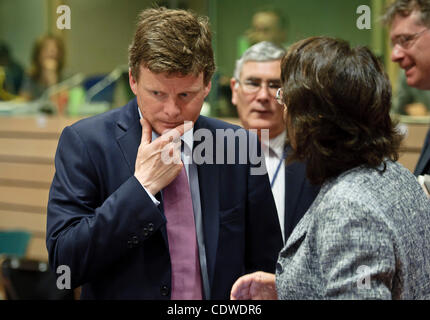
(410, 39)
(409, 22)
(254, 86)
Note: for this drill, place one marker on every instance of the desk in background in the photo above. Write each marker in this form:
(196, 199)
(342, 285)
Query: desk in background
(415, 130)
(27, 151)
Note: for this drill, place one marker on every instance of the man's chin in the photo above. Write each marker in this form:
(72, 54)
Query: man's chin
(261, 124)
(418, 84)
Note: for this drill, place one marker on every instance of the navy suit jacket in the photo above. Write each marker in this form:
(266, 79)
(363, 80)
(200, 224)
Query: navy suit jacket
(423, 162)
(105, 228)
(299, 195)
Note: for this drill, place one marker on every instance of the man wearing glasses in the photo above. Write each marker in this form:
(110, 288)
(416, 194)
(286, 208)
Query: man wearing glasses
(255, 84)
(409, 22)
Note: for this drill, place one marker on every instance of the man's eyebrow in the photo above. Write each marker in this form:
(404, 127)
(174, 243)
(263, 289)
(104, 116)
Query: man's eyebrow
(192, 90)
(402, 35)
(259, 79)
(149, 87)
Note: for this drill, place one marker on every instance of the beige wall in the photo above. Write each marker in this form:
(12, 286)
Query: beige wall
(102, 31)
(21, 22)
(100, 34)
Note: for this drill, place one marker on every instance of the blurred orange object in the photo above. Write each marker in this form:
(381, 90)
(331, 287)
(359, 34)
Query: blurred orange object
(60, 101)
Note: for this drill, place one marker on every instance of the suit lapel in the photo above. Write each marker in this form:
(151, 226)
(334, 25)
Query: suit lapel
(299, 232)
(209, 199)
(297, 236)
(129, 135)
(422, 163)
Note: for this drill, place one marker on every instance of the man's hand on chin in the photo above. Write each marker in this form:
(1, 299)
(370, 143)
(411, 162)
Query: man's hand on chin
(158, 162)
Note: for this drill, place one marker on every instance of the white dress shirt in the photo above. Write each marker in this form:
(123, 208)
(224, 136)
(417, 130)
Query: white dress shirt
(273, 157)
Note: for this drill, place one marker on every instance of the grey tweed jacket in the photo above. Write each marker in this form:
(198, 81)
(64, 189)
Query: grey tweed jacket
(366, 236)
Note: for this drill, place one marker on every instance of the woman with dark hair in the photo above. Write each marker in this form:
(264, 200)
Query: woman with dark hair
(367, 234)
(47, 63)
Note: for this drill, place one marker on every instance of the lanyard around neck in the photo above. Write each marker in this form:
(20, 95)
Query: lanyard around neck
(284, 155)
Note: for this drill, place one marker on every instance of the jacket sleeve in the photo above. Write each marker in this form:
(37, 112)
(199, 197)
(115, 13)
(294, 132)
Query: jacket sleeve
(86, 232)
(355, 253)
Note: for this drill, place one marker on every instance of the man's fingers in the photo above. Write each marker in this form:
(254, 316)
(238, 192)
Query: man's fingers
(171, 153)
(240, 289)
(254, 286)
(174, 135)
(177, 132)
(146, 132)
(187, 126)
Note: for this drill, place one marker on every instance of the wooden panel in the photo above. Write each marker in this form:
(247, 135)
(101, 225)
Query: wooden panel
(37, 124)
(27, 172)
(409, 160)
(27, 196)
(37, 249)
(32, 222)
(28, 148)
(415, 137)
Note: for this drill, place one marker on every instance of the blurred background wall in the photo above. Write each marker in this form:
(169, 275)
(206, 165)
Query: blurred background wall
(335, 18)
(102, 29)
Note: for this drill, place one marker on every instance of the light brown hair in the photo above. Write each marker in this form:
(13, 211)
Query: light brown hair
(172, 41)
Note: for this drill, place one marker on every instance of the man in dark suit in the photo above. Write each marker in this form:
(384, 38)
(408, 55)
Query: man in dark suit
(136, 217)
(409, 23)
(254, 85)
(423, 164)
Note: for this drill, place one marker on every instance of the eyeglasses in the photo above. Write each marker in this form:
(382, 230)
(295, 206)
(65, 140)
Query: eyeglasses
(279, 98)
(254, 85)
(405, 41)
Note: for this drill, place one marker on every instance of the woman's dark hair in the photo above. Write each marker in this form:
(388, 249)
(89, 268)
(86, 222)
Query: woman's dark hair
(338, 100)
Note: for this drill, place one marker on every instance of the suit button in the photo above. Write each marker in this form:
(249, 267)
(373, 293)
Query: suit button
(279, 268)
(129, 244)
(135, 240)
(164, 290)
(145, 232)
(150, 227)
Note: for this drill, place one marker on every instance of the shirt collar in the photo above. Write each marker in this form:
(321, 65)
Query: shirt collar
(277, 144)
(187, 137)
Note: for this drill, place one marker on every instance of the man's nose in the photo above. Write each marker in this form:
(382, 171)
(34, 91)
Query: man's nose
(397, 53)
(171, 108)
(263, 92)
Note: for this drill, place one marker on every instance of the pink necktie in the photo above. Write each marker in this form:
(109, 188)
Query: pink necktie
(181, 233)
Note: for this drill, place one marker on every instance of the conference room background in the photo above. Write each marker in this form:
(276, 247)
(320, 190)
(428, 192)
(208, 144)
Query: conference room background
(101, 30)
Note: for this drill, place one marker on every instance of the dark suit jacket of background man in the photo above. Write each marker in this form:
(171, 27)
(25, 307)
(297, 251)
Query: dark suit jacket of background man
(299, 195)
(423, 165)
(104, 226)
